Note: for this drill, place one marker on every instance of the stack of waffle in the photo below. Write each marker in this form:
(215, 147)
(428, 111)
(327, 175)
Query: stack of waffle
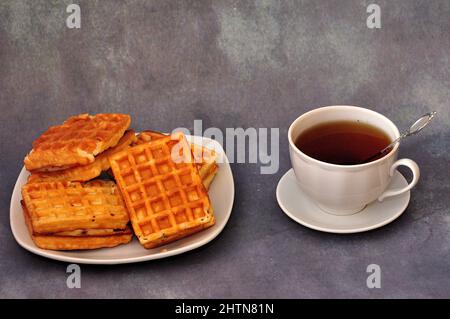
(62, 210)
(73, 215)
(67, 207)
(78, 150)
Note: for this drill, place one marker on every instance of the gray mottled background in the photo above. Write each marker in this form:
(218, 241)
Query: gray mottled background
(236, 64)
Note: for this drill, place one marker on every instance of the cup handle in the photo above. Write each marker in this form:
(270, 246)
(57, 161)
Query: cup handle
(416, 174)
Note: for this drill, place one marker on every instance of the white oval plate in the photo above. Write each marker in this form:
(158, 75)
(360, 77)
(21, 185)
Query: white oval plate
(221, 194)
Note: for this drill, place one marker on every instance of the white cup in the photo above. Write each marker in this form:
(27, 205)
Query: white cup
(346, 189)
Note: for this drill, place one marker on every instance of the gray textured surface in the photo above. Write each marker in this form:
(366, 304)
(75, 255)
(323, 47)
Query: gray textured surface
(232, 64)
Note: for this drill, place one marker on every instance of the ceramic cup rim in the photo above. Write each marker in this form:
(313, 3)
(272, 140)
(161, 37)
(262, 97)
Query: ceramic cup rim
(343, 108)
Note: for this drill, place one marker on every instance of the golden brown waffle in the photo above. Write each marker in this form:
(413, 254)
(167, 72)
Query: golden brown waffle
(148, 136)
(66, 206)
(205, 158)
(165, 197)
(80, 243)
(201, 154)
(179, 235)
(76, 141)
(85, 172)
(60, 242)
(209, 177)
(92, 232)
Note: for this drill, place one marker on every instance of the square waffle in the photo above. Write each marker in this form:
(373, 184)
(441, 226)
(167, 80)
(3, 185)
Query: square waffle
(93, 232)
(81, 243)
(74, 241)
(66, 206)
(76, 141)
(85, 172)
(208, 177)
(205, 158)
(163, 190)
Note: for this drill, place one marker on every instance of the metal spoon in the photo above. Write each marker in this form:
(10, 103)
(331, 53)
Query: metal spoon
(417, 126)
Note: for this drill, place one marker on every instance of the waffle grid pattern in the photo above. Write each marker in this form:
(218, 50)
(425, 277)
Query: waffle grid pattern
(205, 158)
(65, 206)
(85, 172)
(76, 141)
(202, 155)
(62, 242)
(164, 198)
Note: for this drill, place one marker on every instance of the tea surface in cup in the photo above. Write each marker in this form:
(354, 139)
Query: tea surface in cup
(342, 142)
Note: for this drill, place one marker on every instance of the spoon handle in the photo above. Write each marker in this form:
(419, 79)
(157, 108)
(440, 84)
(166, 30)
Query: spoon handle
(417, 126)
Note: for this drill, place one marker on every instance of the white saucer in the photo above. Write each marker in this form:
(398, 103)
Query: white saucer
(221, 194)
(298, 206)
